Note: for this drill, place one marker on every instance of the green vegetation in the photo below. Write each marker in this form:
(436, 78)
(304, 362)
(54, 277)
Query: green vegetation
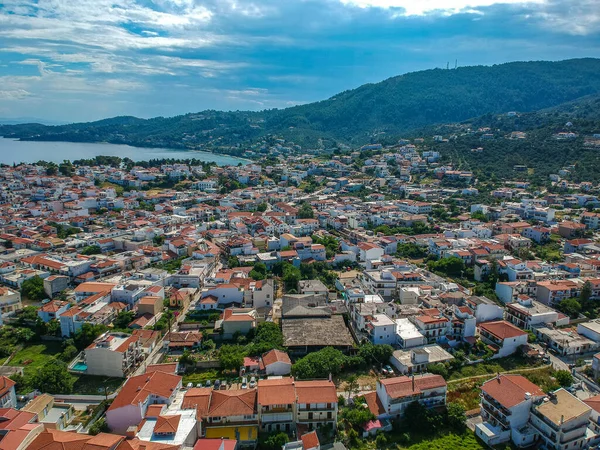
(305, 211)
(99, 426)
(410, 250)
(267, 336)
(91, 250)
(33, 289)
(52, 377)
(452, 267)
(34, 355)
(427, 97)
(64, 231)
(123, 319)
(564, 378)
(274, 441)
(87, 334)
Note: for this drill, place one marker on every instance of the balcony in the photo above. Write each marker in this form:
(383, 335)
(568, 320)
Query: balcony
(311, 409)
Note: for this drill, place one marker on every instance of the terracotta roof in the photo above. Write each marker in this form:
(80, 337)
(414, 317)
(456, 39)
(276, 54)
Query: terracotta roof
(232, 403)
(310, 440)
(593, 402)
(273, 356)
(137, 389)
(316, 392)
(502, 329)
(375, 405)
(399, 387)
(199, 399)
(215, 444)
(167, 424)
(276, 392)
(5, 385)
(509, 390)
(166, 368)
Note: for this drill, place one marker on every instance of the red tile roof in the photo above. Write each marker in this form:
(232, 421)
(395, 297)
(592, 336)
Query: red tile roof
(510, 390)
(276, 392)
(399, 387)
(502, 329)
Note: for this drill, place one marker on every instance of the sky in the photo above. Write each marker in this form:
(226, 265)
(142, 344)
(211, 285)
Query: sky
(82, 60)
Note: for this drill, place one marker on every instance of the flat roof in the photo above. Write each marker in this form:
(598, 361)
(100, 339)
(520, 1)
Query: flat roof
(562, 407)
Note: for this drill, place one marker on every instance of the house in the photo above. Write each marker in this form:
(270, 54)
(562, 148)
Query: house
(381, 329)
(503, 337)
(53, 415)
(152, 305)
(232, 414)
(18, 429)
(236, 320)
(526, 312)
(182, 340)
(313, 287)
(54, 284)
(417, 359)
(277, 408)
(395, 394)
(10, 301)
(562, 421)
(317, 403)
(216, 444)
(8, 396)
(65, 440)
(369, 251)
(113, 355)
(276, 362)
(137, 394)
(52, 310)
(506, 401)
(174, 428)
(563, 341)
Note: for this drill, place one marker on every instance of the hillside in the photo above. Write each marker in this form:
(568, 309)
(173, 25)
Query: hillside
(391, 107)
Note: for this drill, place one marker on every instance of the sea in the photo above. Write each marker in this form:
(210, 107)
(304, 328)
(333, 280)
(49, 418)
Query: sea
(14, 152)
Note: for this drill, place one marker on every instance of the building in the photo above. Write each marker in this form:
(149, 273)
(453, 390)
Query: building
(53, 415)
(317, 404)
(236, 320)
(395, 394)
(137, 394)
(506, 401)
(564, 341)
(152, 305)
(18, 429)
(8, 395)
(65, 440)
(526, 312)
(504, 337)
(277, 407)
(55, 284)
(313, 287)
(561, 420)
(232, 414)
(10, 301)
(381, 329)
(113, 355)
(417, 359)
(276, 362)
(52, 310)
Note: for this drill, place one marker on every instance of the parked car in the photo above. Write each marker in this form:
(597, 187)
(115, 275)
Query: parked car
(244, 383)
(208, 383)
(388, 370)
(190, 385)
(199, 385)
(223, 386)
(217, 384)
(252, 382)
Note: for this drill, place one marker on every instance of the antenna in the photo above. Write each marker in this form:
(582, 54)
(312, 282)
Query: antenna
(456, 64)
(448, 65)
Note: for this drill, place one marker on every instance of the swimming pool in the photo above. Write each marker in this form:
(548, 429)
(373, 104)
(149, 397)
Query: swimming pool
(80, 367)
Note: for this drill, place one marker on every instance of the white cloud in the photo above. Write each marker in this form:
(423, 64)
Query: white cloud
(421, 7)
(16, 94)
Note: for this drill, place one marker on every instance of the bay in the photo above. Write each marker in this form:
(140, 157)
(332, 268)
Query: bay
(14, 152)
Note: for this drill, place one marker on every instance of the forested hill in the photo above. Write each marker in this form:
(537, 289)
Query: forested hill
(392, 107)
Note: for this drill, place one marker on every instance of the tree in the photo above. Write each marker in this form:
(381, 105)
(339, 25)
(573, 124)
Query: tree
(87, 334)
(158, 240)
(305, 211)
(357, 415)
(586, 292)
(123, 319)
(91, 250)
(259, 272)
(457, 418)
(291, 276)
(375, 354)
(232, 262)
(99, 426)
(69, 352)
(231, 357)
(452, 266)
(53, 377)
(564, 378)
(262, 207)
(319, 364)
(275, 441)
(186, 358)
(352, 385)
(438, 369)
(267, 336)
(33, 288)
(569, 306)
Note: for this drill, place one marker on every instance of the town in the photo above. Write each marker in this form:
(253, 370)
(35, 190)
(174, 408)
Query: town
(369, 298)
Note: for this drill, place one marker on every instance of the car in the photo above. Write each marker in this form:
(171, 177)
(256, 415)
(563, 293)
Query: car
(190, 385)
(244, 383)
(223, 386)
(208, 383)
(199, 385)
(252, 382)
(389, 369)
(384, 371)
(217, 384)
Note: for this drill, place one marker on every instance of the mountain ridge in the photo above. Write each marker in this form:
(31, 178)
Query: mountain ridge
(391, 107)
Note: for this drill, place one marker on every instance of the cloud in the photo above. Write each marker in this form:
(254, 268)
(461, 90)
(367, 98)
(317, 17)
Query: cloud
(161, 57)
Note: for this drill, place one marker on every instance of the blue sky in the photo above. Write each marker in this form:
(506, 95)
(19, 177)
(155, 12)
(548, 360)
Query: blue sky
(79, 60)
